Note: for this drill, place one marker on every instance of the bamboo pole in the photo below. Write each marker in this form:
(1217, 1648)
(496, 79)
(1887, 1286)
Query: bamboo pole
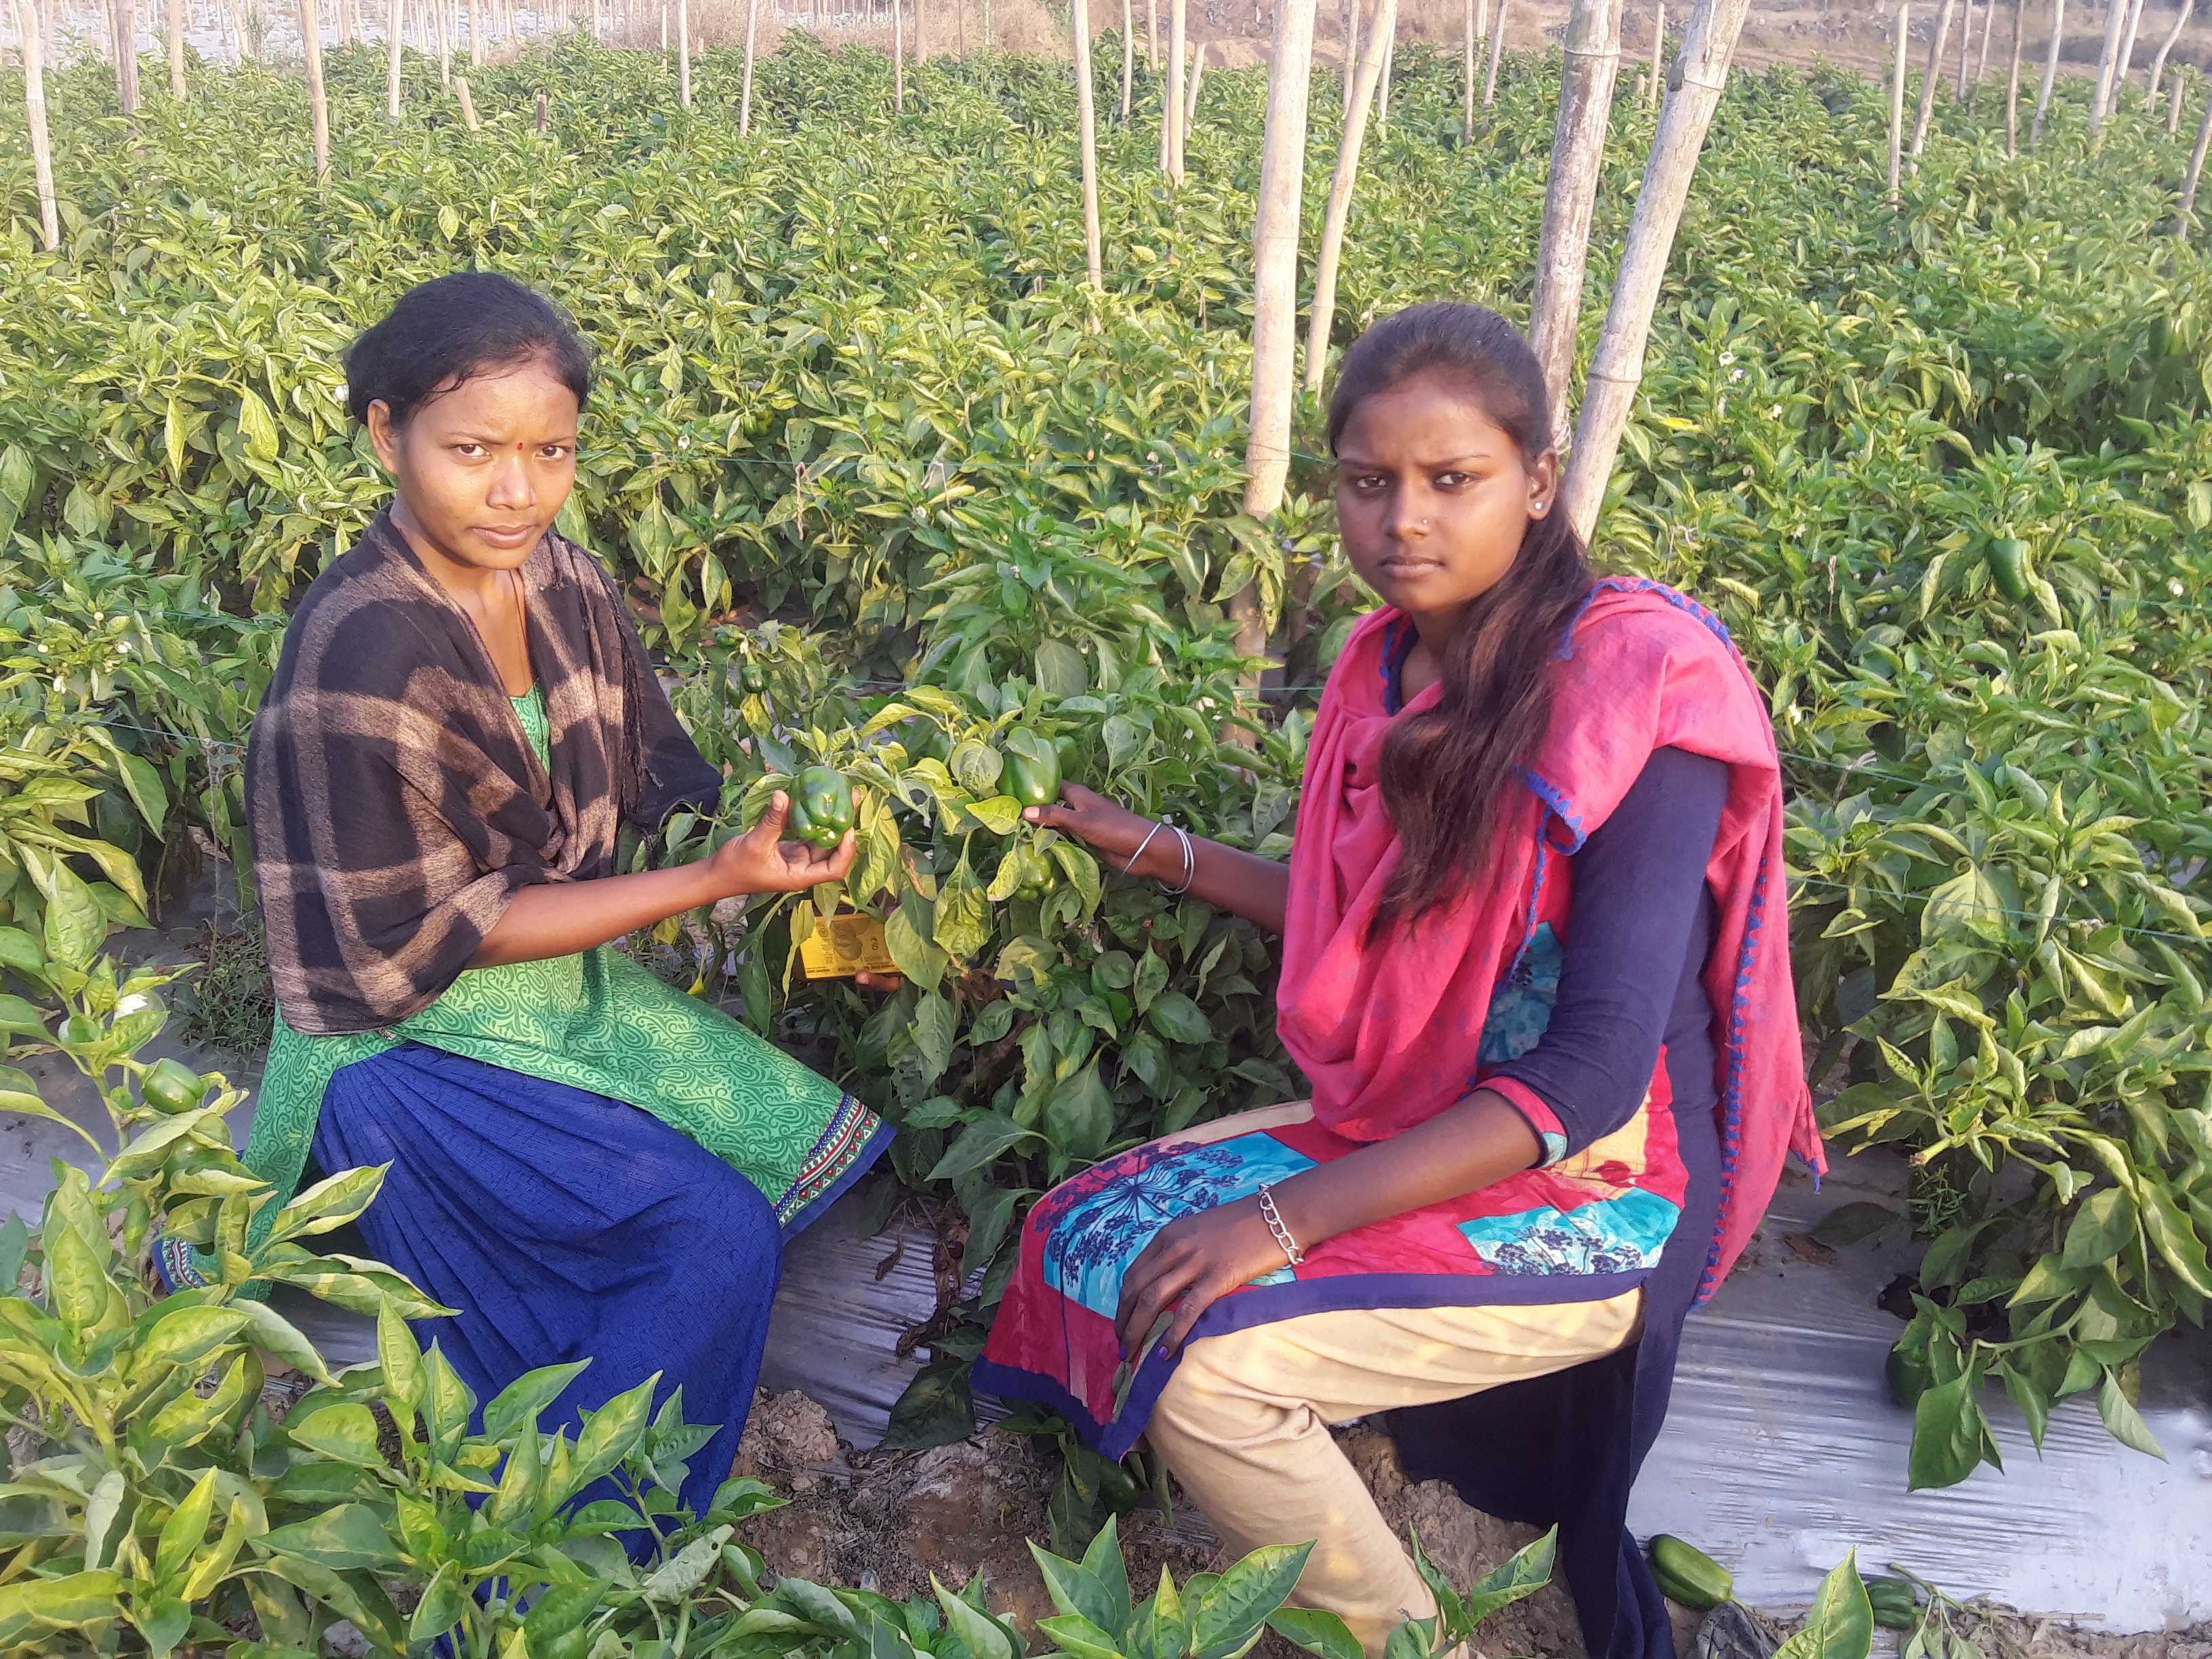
(445, 43)
(1153, 35)
(30, 31)
(898, 57)
(1897, 101)
(1275, 287)
(2116, 20)
(1617, 368)
(176, 43)
(1658, 45)
(311, 40)
(396, 31)
(2196, 172)
(1190, 106)
(684, 52)
(1351, 49)
(1171, 99)
(2174, 100)
(1965, 49)
(2173, 39)
(476, 10)
(1982, 57)
(1086, 121)
(745, 92)
(1587, 72)
(1128, 59)
(1927, 81)
(1497, 51)
(2012, 86)
(921, 34)
(1324, 315)
(2049, 72)
(468, 102)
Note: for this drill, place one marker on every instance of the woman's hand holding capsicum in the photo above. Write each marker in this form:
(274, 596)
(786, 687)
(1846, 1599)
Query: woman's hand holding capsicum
(762, 860)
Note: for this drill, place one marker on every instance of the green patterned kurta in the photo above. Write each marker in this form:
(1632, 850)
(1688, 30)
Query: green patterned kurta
(596, 1021)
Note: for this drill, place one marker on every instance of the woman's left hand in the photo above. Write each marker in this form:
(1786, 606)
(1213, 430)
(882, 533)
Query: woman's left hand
(762, 861)
(1198, 1258)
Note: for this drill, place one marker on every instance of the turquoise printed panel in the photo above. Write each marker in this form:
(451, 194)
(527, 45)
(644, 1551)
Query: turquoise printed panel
(1616, 1236)
(1092, 1246)
(1522, 1008)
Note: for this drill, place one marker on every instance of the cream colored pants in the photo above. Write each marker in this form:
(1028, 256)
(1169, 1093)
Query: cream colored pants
(1244, 1423)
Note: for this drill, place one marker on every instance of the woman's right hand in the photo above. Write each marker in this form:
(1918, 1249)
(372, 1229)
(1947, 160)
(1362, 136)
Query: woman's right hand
(1110, 829)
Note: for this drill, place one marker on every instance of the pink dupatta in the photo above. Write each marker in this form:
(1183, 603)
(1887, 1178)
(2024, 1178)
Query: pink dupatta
(1387, 1034)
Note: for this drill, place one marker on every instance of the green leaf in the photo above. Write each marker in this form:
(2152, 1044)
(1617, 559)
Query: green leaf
(2102, 1228)
(2124, 1421)
(255, 426)
(189, 1334)
(400, 1357)
(980, 1633)
(164, 1621)
(277, 1337)
(328, 1205)
(980, 1143)
(1841, 1624)
(517, 1404)
(445, 1599)
(1178, 1018)
(936, 1409)
(76, 926)
(1060, 670)
(2169, 1230)
(1240, 1602)
(1523, 1573)
(1320, 1632)
(934, 1030)
(1853, 1223)
(610, 1435)
(1075, 1589)
(1079, 1119)
(1072, 1633)
(344, 1431)
(30, 1606)
(1948, 1431)
(919, 958)
(340, 1539)
(186, 1530)
(683, 1572)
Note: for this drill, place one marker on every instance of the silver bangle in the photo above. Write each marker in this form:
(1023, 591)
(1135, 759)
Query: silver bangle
(1189, 859)
(1274, 1220)
(1147, 841)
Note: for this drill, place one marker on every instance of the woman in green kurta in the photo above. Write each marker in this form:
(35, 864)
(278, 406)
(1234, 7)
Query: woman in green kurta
(584, 1162)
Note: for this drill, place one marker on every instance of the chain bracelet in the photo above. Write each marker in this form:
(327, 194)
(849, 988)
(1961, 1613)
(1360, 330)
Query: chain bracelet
(1273, 1218)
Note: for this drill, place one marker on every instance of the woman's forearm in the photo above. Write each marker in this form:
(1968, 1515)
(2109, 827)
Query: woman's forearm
(559, 919)
(1242, 884)
(1481, 1140)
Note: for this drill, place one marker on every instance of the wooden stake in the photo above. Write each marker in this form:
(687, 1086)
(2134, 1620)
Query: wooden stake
(1497, 51)
(1087, 123)
(468, 103)
(1965, 49)
(445, 43)
(311, 39)
(1658, 45)
(2127, 51)
(1276, 287)
(1190, 108)
(1617, 366)
(396, 32)
(1128, 59)
(1153, 35)
(1171, 104)
(30, 32)
(177, 50)
(1323, 316)
(921, 34)
(1982, 57)
(1351, 49)
(2173, 39)
(1928, 80)
(1897, 101)
(684, 52)
(2174, 100)
(476, 10)
(2116, 22)
(2012, 86)
(1466, 40)
(123, 19)
(898, 57)
(2196, 172)
(2049, 72)
(1382, 88)
(1592, 62)
(541, 111)
(745, 95)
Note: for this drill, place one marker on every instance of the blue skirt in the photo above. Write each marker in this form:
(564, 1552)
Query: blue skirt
(564, 1225)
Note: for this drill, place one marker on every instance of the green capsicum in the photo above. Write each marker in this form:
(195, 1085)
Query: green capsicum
(820, 807)
(1896, 1604)
(1032, 769)
(752, 677)
(172, 1087)
(1689, 1575)
(2007, 562)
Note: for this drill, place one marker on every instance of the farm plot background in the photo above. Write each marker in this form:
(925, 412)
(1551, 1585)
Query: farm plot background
(889, 482)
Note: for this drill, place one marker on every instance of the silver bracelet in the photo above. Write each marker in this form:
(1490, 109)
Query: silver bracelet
(1273, 1218)
(1189, 859)
(1143, 844)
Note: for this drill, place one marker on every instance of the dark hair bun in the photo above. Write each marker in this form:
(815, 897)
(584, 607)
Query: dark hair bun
(452, 328)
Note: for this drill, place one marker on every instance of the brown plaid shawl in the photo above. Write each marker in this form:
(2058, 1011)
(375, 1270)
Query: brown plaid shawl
(395, 804)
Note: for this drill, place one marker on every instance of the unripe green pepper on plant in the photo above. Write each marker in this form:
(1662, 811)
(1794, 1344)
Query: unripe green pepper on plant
(820, 807)
(1896, 1603)
(1688, 1575)
(2007, 562)
(1032, 769)
(171, 1087)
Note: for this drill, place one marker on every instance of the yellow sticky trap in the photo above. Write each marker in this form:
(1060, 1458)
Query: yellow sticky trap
(842, 946)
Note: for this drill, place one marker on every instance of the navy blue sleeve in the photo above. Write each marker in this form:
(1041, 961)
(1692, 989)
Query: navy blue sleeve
(1640, 910)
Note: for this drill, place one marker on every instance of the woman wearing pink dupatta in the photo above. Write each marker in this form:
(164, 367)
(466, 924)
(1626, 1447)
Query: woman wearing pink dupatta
(1535, 968)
